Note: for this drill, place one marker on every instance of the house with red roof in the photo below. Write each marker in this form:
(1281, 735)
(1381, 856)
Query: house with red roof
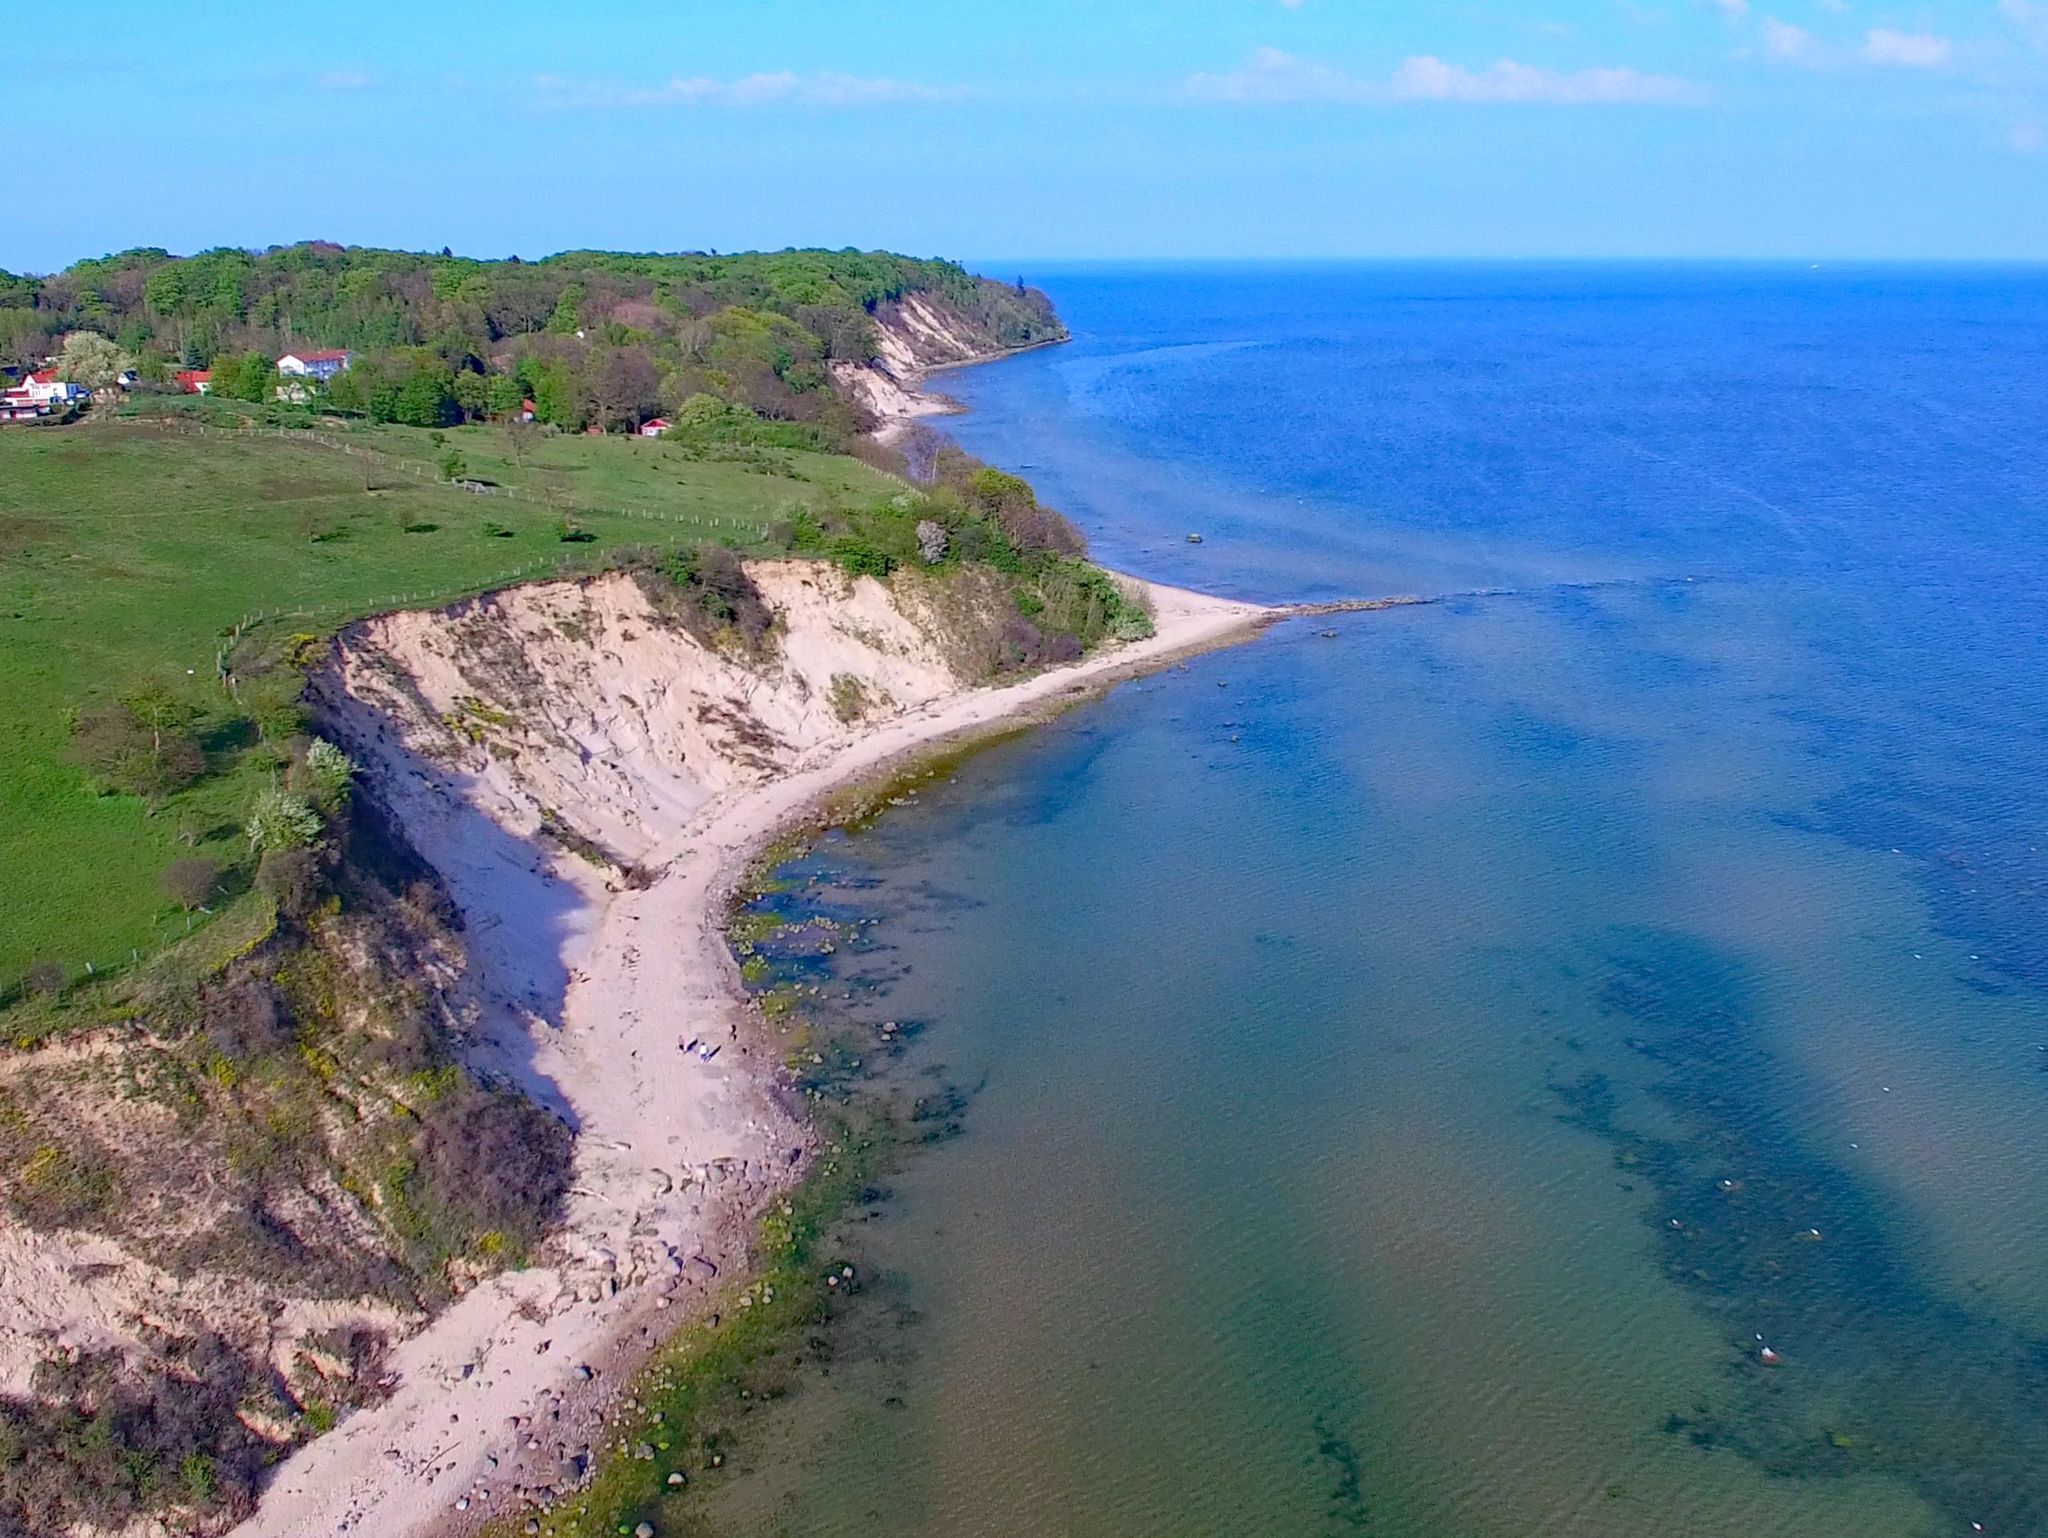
(15, 406)
(46, 389)
(194, 381)
(654, 427)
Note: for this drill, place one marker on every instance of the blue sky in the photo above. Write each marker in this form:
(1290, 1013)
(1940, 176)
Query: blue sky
(1055, 128)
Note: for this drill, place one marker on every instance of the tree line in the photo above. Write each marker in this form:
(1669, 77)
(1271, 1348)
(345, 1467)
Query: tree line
(593, 339)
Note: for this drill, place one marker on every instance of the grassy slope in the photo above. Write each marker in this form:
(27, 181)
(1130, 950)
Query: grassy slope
(126, 552)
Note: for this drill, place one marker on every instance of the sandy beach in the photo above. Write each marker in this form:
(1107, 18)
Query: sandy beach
(676, 1154)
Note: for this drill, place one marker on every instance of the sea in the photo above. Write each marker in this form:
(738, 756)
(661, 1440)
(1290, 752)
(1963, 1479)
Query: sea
(1565, 1058)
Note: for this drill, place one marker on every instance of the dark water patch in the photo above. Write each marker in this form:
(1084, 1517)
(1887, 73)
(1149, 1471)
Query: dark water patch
(1339, 1458)
(1843, 1359)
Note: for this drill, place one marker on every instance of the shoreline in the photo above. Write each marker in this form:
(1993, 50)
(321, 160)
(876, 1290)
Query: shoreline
(674, 1164)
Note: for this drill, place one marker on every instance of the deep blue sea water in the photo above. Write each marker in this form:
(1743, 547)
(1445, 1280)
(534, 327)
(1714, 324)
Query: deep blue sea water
(1411, 1073)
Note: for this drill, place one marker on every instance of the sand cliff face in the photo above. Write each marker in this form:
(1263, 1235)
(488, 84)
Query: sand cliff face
(581, 708)
(914, 335)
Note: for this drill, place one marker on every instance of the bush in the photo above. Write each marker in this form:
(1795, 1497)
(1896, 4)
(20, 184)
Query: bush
(191, 883)
(493, 1163)
(280, 820)
(46, 978)
(707, 591)
(859, 557)
(323, 775)
(102, 1444)
(245, 1018)
(293, 878)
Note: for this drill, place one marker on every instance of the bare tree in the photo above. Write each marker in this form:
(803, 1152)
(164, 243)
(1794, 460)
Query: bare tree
(920, 446)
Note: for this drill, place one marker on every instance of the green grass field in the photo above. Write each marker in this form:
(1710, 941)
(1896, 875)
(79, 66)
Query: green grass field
(128, 550)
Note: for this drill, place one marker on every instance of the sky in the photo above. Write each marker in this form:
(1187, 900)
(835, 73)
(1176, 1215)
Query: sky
(1053, 129)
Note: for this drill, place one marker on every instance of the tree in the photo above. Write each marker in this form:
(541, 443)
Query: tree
(473, 394)
(91, 361)
(427, 399)
(920, 446)
(191, 883)
(503, 395)
(291, 878)
(323, 775)
(519, 438)
(139, 745)
(622, 388)
(249, 376)
(281, 820)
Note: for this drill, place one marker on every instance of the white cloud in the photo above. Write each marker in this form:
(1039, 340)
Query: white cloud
(780, 88)
(1906, 50)
(1273, 78)
(1782, 40)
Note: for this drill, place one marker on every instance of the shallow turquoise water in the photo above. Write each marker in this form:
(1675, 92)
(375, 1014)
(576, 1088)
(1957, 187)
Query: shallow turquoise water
(1409, 1073)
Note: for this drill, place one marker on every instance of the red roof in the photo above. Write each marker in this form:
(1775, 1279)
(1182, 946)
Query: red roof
(192, 378)
(47, 376)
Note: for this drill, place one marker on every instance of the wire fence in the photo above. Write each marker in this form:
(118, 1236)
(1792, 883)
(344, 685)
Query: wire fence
(563, 565)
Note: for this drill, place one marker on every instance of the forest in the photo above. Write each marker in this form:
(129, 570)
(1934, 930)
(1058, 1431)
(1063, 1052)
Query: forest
(592, 339)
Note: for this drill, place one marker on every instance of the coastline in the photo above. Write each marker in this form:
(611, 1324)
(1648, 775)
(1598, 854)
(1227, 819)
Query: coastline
(670, 1175)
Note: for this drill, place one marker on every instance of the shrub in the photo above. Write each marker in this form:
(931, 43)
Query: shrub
(850, 698)
(493, 1163)
(57, 1188)
(244, 1019)
(101, 1443)
(293, 878)
(324, 775)
(859, 557)
(47, 978)
(707, 590)
(280, 820)
(191, 883)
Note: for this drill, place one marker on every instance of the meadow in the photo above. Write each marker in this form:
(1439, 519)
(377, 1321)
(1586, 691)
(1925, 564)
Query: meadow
(138, 553)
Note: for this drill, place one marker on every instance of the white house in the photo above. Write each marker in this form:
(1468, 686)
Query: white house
(46, 389)
(654, 427)
(320, 363)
